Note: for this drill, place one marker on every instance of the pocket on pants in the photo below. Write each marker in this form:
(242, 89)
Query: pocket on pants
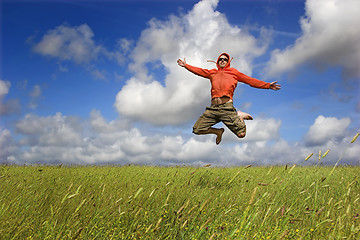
(236, 125)
(204, 122)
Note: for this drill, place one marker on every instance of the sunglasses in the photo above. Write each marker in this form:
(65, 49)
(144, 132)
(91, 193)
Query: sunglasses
(223, 59)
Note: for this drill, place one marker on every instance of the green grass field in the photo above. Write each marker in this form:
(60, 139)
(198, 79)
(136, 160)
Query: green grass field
(144, 202)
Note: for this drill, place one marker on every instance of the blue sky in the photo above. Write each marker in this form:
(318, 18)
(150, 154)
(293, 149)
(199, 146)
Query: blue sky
(96, 82)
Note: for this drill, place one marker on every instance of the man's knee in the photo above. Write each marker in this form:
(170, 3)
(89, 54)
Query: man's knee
(241, 135)
(196, 131)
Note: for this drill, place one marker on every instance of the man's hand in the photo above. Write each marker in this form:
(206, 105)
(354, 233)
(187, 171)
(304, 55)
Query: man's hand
(275, 86)
(181, 63)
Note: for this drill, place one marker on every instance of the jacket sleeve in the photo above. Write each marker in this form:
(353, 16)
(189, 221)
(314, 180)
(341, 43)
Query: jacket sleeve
(198, 71)
(252, 81)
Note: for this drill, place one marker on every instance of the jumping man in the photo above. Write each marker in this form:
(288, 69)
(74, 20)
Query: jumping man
(224, 80)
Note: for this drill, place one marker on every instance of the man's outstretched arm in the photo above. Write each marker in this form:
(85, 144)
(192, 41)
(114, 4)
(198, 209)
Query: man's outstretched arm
(257, 83)
(196, 70)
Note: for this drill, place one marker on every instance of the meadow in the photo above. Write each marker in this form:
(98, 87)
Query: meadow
(149, 202)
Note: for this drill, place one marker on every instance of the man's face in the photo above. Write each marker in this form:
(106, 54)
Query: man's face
(223, 60)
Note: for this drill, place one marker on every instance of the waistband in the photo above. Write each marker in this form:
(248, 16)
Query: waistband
(228, 104)
(220, 100)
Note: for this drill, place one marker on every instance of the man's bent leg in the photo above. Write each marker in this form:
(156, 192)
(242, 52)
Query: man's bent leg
(243, 116)
(235, 122)
(217, 131)
(204, 125)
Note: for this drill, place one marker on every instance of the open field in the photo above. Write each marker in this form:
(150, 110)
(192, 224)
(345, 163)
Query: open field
(145, 202)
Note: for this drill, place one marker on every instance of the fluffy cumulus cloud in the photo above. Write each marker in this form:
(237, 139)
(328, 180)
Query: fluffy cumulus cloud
(77, 44)
(201, 34)
(260, 131)
(4, 88)
(64, 139)
(329, 38)
(69, 43)
(7, 146)
(55, 130)
(326, 129)
(10, 106)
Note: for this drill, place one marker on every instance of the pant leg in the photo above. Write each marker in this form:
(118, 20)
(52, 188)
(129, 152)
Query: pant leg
(208, 119)
(232, 120)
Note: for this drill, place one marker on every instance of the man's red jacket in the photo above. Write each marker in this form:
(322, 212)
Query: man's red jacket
(224, 80)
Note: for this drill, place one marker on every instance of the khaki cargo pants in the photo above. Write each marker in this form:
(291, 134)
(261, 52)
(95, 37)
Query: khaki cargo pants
(214, 114)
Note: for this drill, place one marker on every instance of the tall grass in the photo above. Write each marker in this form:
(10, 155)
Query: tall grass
(144, 202)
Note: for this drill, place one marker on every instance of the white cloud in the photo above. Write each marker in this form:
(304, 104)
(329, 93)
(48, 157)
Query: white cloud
(10, 106)
(262, 153)
(68, 140)
(7, 146)
(99, 124)
(97, 74)
(55, 130)
(257, 130)
(200, 35)
(69, 43)
(124, 47)
(326, 129)
(4, 88)
(35, 94)
(36, 91)
(329, 38)
(77, 44)
(263, 129)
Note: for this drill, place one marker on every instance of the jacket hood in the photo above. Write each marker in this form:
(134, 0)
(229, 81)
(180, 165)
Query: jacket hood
(228, 63)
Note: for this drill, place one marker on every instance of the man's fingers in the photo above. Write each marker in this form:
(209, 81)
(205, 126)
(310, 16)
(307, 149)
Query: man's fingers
(181, 63)
(275, 86)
